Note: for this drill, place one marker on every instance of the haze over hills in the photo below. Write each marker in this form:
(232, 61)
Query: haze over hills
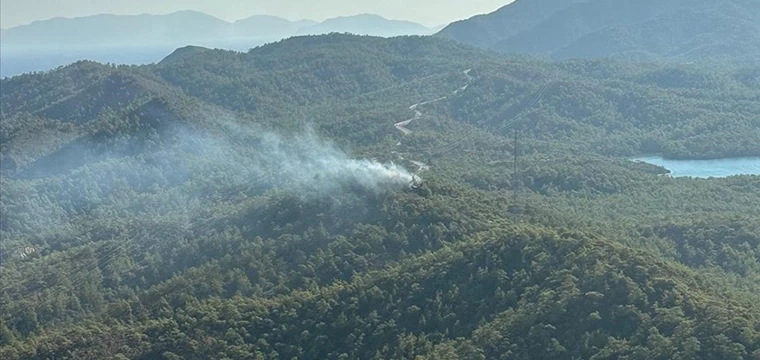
(137, 39)
(260, 205)
(269, 26)
(185, 27)
(116, 30)
(366, 24)
(642, 30)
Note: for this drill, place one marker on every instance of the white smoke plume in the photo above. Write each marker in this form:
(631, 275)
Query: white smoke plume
(302, 162)
(305, 161)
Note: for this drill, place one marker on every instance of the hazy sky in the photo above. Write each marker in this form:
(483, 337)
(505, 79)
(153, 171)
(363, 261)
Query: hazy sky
(427, 12)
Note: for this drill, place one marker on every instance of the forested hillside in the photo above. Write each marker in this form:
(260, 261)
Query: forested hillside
(704, 30)
(347, 197)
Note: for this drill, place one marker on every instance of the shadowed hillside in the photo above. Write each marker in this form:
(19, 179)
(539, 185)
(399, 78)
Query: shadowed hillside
(348, 197)
(724, 30)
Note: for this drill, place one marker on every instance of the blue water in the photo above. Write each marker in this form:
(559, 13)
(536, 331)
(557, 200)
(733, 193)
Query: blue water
(707, 168)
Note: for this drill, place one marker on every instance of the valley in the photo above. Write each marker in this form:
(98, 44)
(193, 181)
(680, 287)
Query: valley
(358, 197)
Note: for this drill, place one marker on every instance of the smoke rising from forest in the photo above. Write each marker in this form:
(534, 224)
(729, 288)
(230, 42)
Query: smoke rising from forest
(301, 162)
(190, 169)
(308, 162)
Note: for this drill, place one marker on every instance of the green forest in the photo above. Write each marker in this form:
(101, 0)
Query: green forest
(678, 31)
(219, 205)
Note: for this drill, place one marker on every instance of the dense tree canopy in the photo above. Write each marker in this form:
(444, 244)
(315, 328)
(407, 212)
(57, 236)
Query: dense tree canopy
(156, 212)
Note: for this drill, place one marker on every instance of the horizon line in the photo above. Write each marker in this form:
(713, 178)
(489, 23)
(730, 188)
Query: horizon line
(223, 20)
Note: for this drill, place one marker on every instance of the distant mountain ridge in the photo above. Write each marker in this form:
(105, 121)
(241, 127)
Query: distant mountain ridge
(143, 39)
(366, 24)
(115, 29)
(185, 27)
(643, 29)
(271, 25)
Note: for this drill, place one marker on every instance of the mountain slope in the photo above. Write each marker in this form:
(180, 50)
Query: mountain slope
(234, 205)
(512, 294)
(510, 20)
(673, 29)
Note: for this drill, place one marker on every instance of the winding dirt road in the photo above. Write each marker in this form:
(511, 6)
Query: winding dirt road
(401, 126)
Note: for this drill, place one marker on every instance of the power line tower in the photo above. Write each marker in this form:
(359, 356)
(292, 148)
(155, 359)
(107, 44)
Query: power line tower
(515, 209)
